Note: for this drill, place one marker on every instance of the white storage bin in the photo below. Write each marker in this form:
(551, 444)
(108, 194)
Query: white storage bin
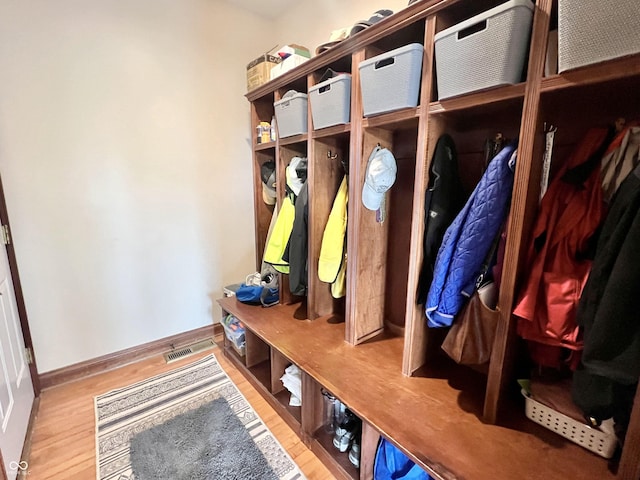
(291, 114)
(485, 51)
(391, 81)
(591, 438)
(331, 101)
(591, 31)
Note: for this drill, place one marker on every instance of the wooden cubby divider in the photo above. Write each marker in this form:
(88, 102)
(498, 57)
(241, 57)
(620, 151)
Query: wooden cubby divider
(326, 155)
(278, 365)
(373, 348)
(523, 206)
(416, 332)
(356, 173)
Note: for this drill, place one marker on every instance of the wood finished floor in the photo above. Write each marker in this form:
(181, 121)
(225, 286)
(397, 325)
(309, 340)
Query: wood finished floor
(64, 431)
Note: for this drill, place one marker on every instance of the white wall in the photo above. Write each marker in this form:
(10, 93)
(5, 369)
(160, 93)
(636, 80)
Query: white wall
(125, 157)
(310, 22)
(124, 152)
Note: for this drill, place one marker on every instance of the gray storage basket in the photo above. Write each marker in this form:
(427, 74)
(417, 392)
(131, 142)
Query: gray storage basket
(485, 51)
(391, 81)
(331, 101)
(291, 114)
(591, 31)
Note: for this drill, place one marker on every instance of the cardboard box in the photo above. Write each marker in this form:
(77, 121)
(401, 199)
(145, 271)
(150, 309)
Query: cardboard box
(259, 70)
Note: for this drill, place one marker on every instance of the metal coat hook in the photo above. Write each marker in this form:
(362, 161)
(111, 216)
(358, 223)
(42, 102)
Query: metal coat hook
(331, 155)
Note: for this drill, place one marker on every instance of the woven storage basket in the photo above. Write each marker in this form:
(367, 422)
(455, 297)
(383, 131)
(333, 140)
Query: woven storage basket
(588, 437)
(331, 101)
(591, 31)
(484, 51)
(391, 81)
(291, 114)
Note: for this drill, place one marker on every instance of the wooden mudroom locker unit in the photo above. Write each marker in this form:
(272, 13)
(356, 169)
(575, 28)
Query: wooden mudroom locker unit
(372, 349)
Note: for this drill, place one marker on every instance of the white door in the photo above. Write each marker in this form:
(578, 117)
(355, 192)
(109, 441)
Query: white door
(16, 390)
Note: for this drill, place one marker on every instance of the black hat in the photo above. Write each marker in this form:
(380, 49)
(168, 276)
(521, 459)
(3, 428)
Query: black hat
(338, 36)
(268, 174)
(375, 18)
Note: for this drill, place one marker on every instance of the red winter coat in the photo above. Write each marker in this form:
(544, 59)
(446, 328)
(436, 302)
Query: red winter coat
(557, 269)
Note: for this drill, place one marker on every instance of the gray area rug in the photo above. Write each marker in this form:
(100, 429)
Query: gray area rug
(190, 423)
(208, 442)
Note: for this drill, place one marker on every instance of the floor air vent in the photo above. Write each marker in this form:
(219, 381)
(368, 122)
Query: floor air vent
(189, 350)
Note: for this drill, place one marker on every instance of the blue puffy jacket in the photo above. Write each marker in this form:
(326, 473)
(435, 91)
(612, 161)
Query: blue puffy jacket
(468, 239)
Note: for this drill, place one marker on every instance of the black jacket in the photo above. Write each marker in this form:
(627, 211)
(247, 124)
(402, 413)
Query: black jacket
(296, 252)
(609, 311)
(443, 201)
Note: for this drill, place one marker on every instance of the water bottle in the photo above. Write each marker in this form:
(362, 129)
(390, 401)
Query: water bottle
(329, 411)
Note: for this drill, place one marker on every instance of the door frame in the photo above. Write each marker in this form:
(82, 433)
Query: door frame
(17, 289)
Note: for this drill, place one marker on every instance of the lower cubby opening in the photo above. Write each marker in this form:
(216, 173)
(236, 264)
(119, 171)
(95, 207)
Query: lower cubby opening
(262, 373)
(231, 352)
(257, 359)
(279, 366)
(234, 337)
(325, 441)
(283, 397)
(334, 430)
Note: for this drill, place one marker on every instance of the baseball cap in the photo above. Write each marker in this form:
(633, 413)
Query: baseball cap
(341, 34)
(268, 175)
(375, 18)
(379, 177)
(296, 173)
(335, 38)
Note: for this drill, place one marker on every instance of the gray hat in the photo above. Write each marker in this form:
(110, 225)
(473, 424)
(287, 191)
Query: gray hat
(379, 177)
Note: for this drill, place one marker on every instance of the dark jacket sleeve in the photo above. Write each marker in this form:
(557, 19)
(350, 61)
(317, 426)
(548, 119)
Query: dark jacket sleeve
(298, 245)
(444, 198)
(609, 310)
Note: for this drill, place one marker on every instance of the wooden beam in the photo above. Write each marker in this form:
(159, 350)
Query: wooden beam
(523, 209)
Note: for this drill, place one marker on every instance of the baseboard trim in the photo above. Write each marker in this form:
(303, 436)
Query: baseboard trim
(26, 448)
(124, 357)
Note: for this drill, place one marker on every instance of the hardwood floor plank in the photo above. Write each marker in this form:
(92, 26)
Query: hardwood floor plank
(63, 445)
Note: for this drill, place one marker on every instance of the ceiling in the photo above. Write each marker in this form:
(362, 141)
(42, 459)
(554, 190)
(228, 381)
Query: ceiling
(269, 9)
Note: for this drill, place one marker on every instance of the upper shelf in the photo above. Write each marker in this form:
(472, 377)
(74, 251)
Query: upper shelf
(264, 146)
(478, 99)
(293, 139)
(406, 117)
(617, 69)
(600, 92)
(331, 131)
